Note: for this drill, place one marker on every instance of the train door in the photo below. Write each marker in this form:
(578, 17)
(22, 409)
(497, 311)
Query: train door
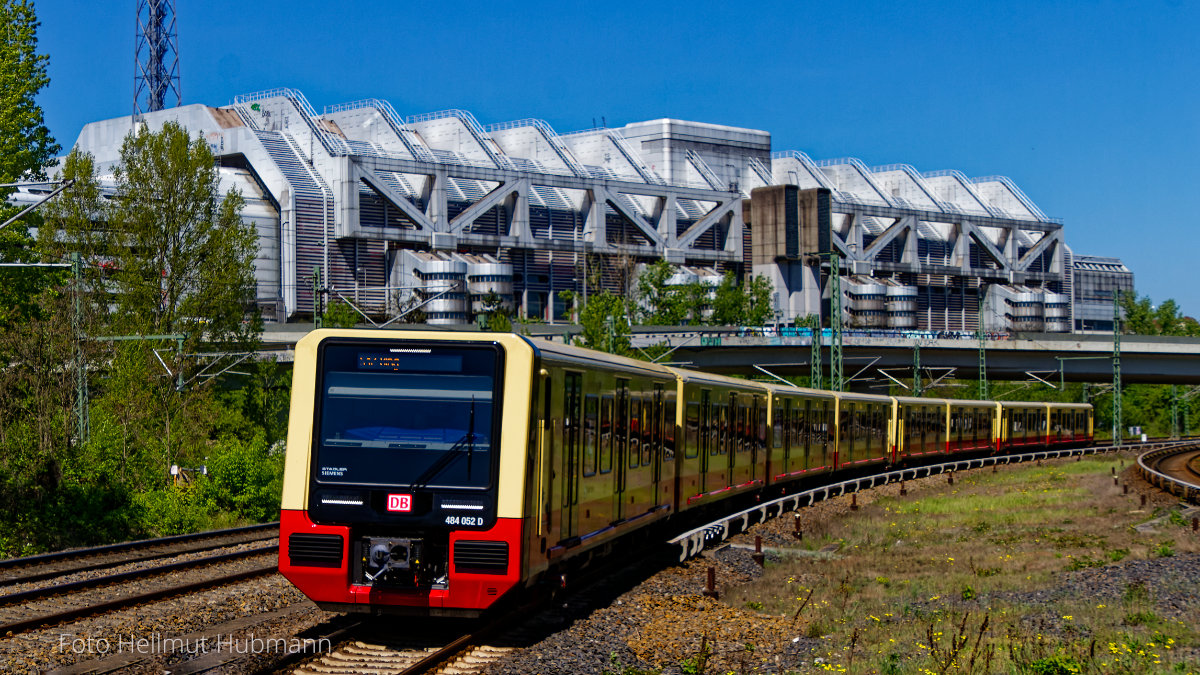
(654, 453)
(620, 449)
(735, 435)
(634, 477)
(804, 437)
(572, 437)
(706, 438)
(759, 452)
(543, 474)
(782, 436)
(828, 431)
(846, 437)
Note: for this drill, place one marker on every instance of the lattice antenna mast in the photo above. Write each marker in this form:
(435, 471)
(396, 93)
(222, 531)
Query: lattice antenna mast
(156, 58)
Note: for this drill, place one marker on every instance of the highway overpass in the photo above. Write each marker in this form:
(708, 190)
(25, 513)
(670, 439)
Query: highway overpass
(1079, 358)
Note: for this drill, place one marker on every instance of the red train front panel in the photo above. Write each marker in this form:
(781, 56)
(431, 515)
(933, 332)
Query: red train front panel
(397, 504)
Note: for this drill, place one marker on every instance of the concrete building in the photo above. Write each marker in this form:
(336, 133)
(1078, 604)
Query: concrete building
(1094, 281)
(389, 212)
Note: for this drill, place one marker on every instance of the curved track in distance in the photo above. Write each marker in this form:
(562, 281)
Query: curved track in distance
(1174, 470)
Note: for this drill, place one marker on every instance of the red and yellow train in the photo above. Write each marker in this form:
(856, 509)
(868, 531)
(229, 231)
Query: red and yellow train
(432, 473)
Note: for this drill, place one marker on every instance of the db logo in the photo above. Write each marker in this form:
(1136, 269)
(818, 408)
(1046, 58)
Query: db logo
(399, 503)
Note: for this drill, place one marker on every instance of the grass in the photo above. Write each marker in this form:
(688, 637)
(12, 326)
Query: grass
(944, 580)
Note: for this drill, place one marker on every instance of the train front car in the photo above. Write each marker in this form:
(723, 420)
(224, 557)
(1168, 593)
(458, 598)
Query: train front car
(402, 489)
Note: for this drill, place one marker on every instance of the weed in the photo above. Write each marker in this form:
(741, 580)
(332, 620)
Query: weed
(619, 669)
(891, 664)
(1083, 562)
(1057, 664)
(694, 665)
(968, 593)
(1177, 518)
(1165, 549)
(1136, 593)
(1118, 554)
(755, 605)
(1141, 618)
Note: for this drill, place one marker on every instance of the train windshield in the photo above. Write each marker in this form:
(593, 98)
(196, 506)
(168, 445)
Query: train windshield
(412, 417)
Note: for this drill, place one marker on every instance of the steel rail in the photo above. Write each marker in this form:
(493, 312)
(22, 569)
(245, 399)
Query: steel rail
(1148, 463)
(129, 545)
(84, 566)
(692, 542)
(95, 582)
(129, 601)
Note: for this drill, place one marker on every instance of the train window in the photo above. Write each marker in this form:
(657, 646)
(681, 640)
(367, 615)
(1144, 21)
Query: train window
(778, 416)
(800, 427)
(760, 415)
(606, 433)
(880, 435)
(621, 423)
(691, 430)
(656, 410)
(572, 427)
(634, 431)
(719, 446)
(591, 411)
(827, 427)
(806, 426)
(743, 430)
(406, 417)
(669, 429)
(845, 431)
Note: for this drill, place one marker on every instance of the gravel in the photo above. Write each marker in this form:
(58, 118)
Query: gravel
(661, 624)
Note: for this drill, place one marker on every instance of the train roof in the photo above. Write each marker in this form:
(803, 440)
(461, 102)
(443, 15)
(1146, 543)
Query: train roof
(780, 389)
(1042, 404)
(583, 355)
(694, 376)
(920, 399)
(855, 396)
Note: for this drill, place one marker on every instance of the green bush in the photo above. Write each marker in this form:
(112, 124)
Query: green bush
(244, 479)
(174, 510)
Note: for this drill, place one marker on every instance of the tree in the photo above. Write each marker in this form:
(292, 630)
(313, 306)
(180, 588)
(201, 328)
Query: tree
(339, 314)
(1142, 317)
(184, 259)
(738, 305)
(26, 150)
(604, 324)
(497, 314)
(26, 147)
(669, 305)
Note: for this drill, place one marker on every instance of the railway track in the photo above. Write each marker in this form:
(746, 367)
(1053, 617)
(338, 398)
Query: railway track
(372, 645)
(57, 565)
(472, 652)
(692, 542)
(41, 605)
(1175, 470)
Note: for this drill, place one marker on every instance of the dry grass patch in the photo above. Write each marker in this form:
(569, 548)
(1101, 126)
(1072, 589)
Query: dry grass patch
(1019, 571)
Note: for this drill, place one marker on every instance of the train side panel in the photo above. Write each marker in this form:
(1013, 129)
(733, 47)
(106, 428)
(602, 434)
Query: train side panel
(609, 448)
(802, 444)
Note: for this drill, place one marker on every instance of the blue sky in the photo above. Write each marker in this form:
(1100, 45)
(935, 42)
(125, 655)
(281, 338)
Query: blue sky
(1089, 106)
